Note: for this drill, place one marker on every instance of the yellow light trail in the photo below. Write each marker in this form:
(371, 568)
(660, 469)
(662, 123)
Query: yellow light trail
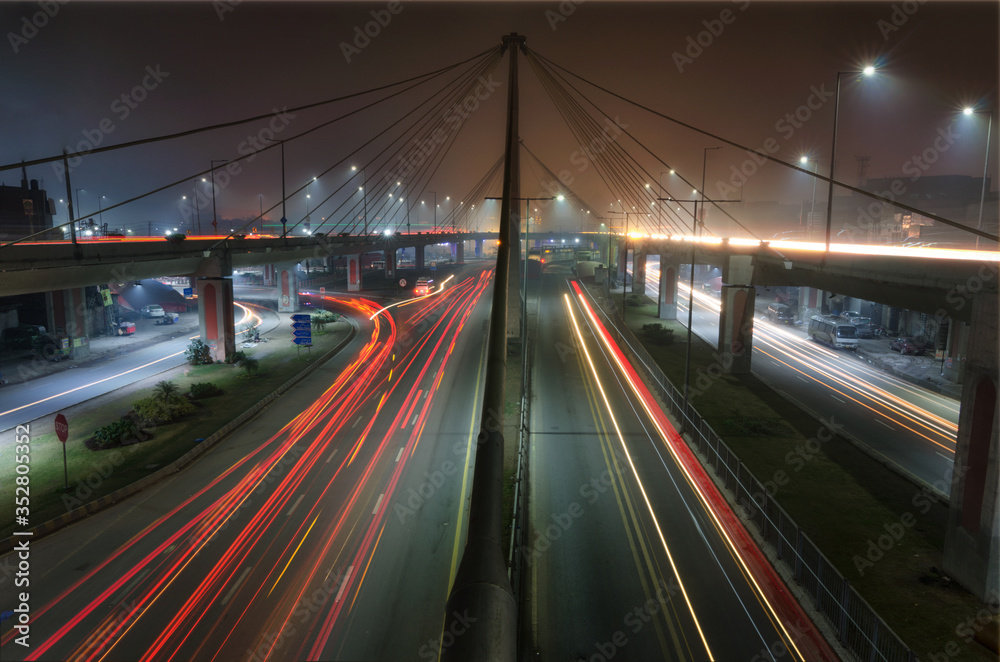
(304, 536)
(635, 474)
(696, 488)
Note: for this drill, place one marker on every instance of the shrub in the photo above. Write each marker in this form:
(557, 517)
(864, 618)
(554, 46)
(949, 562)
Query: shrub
(250, 366)
(658, 334)
(635, 300)
(236, 358)
(249, 333)
(165, 390)
(198, 353)
(204, 390)
(156, 411)
(113, 434)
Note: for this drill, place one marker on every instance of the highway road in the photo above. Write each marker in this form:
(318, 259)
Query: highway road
(328, 527)
(910, 426)
(52, 393)
(629, 551)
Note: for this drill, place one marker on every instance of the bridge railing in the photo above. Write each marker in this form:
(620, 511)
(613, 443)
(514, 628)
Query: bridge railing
(858, 628)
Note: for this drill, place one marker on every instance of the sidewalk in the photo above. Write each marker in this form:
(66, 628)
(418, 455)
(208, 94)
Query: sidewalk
(923, 371)
(21, 366)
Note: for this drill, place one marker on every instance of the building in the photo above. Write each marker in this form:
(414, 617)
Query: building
(24, 210)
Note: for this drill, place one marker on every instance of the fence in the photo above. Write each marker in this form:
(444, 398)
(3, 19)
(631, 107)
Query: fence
(856, 625)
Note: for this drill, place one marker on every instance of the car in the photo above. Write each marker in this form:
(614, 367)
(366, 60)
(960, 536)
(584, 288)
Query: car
(780, 313)
(850, 314)
(907, 345)
(153, 310)
(864, 327)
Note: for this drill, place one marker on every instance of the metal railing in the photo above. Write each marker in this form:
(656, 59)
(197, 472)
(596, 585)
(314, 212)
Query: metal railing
(857, 626)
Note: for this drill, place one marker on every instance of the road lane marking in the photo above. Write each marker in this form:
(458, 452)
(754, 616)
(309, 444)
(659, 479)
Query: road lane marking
(356, 423)
(343, 584)
(239, 581)
(296, 505)
(128, 589)
(331, 455)
(378, 503)
(838, 399)
(886, 425)
(399, 454)
(802, 379)
(947, 457)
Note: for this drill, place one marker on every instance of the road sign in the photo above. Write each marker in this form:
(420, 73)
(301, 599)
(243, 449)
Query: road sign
(303, 341)
(402, 282)
(322, 290)
(302, 333)
(62, 428)
(300, 317)
(188, 292)
(301, 325)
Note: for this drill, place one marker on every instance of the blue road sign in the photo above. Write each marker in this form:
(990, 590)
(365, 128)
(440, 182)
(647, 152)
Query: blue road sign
(301, 325)
(188, 292)
(300, 317)
(302, 341)
(302, 333)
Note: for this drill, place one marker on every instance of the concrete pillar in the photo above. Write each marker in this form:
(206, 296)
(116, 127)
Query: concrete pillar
(479, 247)
(459, 252)
(418, 257)
(972, 539)
(639, 271)
(353, 273)
(390, 263)
(66, 317)
(622, 261)
(736, 328)
(215, 316)
(667, 306)
(288, 288)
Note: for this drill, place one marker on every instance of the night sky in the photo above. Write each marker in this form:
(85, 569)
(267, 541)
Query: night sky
(205, 63)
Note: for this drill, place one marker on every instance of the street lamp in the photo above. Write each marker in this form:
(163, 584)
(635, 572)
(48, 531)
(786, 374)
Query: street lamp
(867, 71)
(986, 165)
(215, 223)
(812, 207)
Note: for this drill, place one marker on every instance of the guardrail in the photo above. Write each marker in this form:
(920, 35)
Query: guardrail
(858, 628)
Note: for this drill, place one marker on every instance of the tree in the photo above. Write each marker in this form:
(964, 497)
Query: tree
(250, 366)
(165, 390)
(198, 353)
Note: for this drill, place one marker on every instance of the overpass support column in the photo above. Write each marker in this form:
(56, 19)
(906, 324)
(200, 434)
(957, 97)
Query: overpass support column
(353, 273)
(390, 262)
(622, 261)
(215, 316)
(459, 253)
(67, 314)
(736, 328)
(288, 288)
(418, 257)
(972, 539)
(639, 272)
(667, 306)
(736, 315)
(479, 247)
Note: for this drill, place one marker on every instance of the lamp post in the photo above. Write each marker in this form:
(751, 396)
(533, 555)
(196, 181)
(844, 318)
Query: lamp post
(986, 167)
(867, 71)
(812, 207)
(215, 223)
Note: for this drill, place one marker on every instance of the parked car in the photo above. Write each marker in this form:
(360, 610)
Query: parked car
(864, 327)
(780, 313)
(907, 345)
(153, 310)
(850, 314)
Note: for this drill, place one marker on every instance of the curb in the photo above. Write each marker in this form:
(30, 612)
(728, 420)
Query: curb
(91, 507)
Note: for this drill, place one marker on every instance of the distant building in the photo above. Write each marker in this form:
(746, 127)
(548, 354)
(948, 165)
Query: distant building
(24, 210)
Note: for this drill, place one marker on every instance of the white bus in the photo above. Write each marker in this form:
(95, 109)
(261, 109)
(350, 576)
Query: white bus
(833, 331)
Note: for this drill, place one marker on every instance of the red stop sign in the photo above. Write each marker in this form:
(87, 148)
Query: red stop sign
(62, 428)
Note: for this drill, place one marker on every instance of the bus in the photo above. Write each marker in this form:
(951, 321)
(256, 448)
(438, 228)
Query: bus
(423, 286)
(833, 331)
